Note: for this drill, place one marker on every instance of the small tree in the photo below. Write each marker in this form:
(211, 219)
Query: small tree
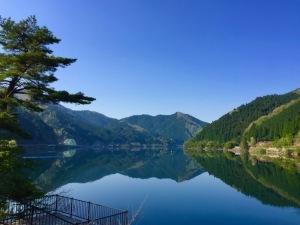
(27, 67)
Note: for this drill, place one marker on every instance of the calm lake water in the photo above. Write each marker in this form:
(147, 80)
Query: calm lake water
(171, 188)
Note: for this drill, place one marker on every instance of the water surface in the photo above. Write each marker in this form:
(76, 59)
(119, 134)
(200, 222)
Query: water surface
(170, 188)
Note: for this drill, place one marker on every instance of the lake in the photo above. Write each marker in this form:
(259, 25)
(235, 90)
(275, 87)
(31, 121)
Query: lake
(164, 186)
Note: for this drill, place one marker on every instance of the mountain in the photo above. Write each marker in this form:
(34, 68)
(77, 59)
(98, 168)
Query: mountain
(283, 125)
(60, 125)
(276, 115)
(178, 127)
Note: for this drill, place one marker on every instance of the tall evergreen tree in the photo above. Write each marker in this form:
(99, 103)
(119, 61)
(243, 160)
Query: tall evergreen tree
(27, 67)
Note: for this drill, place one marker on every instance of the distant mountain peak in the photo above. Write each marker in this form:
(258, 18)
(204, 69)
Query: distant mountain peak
(177, 127)
(180, 114)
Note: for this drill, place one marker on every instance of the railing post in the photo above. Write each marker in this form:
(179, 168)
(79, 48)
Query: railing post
(89, 209)
(31, 216)
(71, 207)
(56, 203)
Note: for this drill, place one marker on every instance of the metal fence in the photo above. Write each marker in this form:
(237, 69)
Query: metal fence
(60, 210)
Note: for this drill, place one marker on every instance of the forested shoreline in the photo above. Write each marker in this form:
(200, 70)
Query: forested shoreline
(269, 121)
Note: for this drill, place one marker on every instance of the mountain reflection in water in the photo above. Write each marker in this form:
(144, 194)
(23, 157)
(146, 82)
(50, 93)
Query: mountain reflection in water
(86, 165)
(266, 181)
(209, 188)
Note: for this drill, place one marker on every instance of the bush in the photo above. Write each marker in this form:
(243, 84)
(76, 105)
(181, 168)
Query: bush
(284, 142)
(230, 144)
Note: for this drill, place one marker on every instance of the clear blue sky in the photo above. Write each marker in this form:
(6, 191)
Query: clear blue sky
(202, 57)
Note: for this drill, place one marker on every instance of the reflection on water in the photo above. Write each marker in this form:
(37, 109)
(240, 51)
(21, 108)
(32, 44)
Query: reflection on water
(86, 165)
(268, 182)
(171, 188)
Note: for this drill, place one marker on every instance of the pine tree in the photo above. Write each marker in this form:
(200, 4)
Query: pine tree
(27, 67)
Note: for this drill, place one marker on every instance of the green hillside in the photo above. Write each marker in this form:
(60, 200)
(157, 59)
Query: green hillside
(179, 127)
(60, 125)
(280, 126)
(229, 129)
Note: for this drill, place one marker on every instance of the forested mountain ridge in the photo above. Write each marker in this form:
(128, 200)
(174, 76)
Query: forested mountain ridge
(60, 125)
(282, 125)
(229, 130)
(178, 126)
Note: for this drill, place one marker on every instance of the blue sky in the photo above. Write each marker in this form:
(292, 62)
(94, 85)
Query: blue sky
(202, 57)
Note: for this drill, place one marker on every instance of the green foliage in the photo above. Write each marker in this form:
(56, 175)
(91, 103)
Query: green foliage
(27, 67)
(230, 128)
(283, 142)
(9, 125)
(281, 125)
(58, 125)
(230, 144)
(14, 185)
(178, 127)
(244, 144)
(192, 145)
